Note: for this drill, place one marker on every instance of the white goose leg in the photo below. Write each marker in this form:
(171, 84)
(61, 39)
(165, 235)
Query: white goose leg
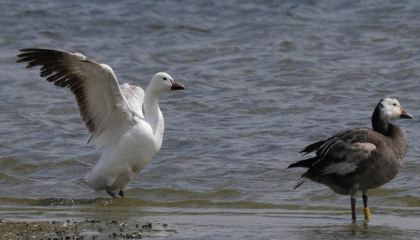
(111, 193)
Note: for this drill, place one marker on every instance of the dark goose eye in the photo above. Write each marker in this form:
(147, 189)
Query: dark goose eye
(164, 79)
(394, 104)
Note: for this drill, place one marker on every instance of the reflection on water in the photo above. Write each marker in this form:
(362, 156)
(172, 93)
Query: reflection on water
(357, 230)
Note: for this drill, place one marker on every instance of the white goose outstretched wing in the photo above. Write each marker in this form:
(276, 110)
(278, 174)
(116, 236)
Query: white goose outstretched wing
(103, 107)
(135, 97)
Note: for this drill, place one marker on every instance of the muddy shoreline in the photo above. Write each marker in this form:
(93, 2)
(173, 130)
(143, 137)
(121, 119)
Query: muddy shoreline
(73, 230)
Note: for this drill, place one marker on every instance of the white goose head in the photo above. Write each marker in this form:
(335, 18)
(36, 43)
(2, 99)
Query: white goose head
(392, 110)
(163, 82)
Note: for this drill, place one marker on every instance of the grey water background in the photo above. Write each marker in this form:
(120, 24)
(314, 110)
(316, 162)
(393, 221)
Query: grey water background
(263, 80)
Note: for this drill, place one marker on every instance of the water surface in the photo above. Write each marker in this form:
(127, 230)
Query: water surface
(264, 79)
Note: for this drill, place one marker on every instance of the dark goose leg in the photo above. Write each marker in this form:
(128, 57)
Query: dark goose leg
(353, 191)
(353, 208)
(111, 193)
(121, 193)
(366, 209)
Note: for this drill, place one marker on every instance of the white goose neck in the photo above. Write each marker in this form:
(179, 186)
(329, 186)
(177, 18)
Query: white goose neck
(151, 106)
(152, 114)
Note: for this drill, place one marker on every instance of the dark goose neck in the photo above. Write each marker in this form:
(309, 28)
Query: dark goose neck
(380, 123)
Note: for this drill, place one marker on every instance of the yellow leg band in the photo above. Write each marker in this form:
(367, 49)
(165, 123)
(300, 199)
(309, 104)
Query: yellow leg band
(367, 213)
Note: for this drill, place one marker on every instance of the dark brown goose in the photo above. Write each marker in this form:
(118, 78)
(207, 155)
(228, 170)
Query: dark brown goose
(360, 158)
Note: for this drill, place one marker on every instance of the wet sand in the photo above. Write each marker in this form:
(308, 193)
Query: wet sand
(88, 229)
(130, 217)
(217, 224)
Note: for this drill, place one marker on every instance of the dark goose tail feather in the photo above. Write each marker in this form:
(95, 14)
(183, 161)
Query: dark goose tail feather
(300, 181)
(307, 163)
(313, 147)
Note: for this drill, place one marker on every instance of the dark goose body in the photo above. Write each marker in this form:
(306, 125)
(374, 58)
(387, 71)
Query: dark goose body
(360, 158)
(372, 159)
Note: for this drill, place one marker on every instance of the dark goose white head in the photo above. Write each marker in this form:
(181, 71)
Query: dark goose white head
(386, 110)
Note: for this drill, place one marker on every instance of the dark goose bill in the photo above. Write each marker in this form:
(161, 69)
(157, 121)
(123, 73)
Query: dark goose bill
(404, 114)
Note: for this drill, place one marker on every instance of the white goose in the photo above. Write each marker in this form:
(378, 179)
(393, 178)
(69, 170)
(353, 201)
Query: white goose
(112, 114)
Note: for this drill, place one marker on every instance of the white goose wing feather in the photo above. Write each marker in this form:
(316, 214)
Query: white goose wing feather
(104, 109)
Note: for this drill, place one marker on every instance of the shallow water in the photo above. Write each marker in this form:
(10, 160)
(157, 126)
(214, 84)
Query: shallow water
(264, 79)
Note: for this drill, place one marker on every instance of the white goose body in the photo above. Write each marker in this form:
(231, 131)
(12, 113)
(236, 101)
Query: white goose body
(113, 114)
(119, 165)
